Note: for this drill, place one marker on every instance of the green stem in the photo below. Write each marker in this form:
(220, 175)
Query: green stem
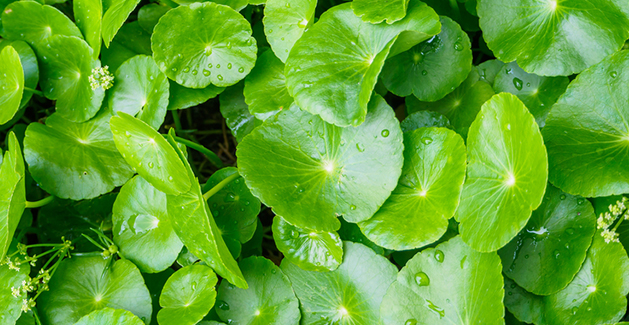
(40, 203)
(34, 91)
(36, 317)
(455, 9)
(176, 120)
(622, 217)
(88, 254)
(211, 156)
(220, 185)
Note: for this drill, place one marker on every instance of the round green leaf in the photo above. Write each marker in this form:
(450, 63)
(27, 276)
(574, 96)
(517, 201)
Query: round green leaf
(142, 230)
(182, 97)
(12, 192)
(551, 37)
(309, 249)
(432, 69)
(108, 316)
(236, 112)
(149, 154)
(10, 279)
(376, 11)
(11, 83)
(140, 89)
(84, 284)
(115, 16)
(234, 208)
(460, 106)
(194, 224)
(449, 284)
(235, 4)
(204, 43)
(427, 193)
(270, 299)
(75, 160)
(66, 65)
(524, 305)
(587, 155)
(318, 171)
(351, 294)
(506, 174)
(130, 41)
(265, 87)
(598, 292)
(88, 17)
(424, 119)
(149, 15)
(536, 92)
(545, 256)
(34, 23)
(30, 67)
(350, 54)
(488, 70)
(188, 295)
(289, 18)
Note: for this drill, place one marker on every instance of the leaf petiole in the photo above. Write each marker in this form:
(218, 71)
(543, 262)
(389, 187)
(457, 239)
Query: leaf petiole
(211, 156)
(40, 203)
(220, 185)
(34, 91)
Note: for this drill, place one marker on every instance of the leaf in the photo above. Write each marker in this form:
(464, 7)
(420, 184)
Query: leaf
(193, 222)
(149, 15)
(141, 90)
(433, 68)
(75, 161)
(488, 70)
(12, 305)
(460, 106)
(66, 64)
(458, 12)
(449, 284)
(182, 97)
(351, 232)
(34, 23)
(549, 38)
(81, 285)
(236, 112)
(309, 249)
(349, 53)
(88, 17)
(12, 83)
(108, 316)
(234, 208)
(545, 256)
(587, 156)
(115, 16)
(350, 294)
(237, 5)
(220, 52)
(526, 306)
(149, 154)
(536, 92)
(427, 193)
(506, 174)
(70, 219)
(598, 292)
(290, 19)
(187, 296)
(12, 193)
(130, 41)
(376, 11)
(318, 171)
(269, 300)
(142, 229)
(424, 119)
(265, 87)
(29, 67)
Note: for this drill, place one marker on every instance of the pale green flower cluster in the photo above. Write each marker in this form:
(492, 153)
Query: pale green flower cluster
(101, 78)
(607, 219)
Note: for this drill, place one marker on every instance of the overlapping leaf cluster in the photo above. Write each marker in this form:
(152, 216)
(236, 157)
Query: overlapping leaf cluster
(396, 162)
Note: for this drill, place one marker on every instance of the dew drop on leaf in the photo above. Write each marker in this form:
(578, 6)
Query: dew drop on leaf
(229, 65)
(517, 82)
(426, 140)
(352, 207)
(439, 256)
(241, 69)
(385, 133)
(360, 147)
(219, 77)
(186, 69)
(575, 310)
(151, 164)
(614, 74)
(222, 305)
(194, 72)
(424, 73)
(411, 321)
(458, 46)
(206, 72)
(570, 231)
(562, 197)
(422, 279)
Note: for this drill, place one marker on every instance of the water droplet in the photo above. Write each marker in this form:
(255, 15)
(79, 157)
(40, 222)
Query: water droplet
(517, 82)
(294, 234)
(241, 69)
(194, 72)
(352, 207)
(411, 321)
(127, 133)
(218, 66)
(463, 262)
(458, 46)
(614, 74)
(219, 77)
(270, 31)
(174, 69)
(209, 65)
(426, 140)
(556, 253)
(186, 69)
(575, 310)
(170, 178)
(562, 197)
(222, 305)
(360, 147)
(151, 164)
(526, 256)
(435, 308)
(570, 231)
(384, 133)
(424, 72)
(229, 65)
(422, 279)
(439, 256)
(229, 45)
(206, 72)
